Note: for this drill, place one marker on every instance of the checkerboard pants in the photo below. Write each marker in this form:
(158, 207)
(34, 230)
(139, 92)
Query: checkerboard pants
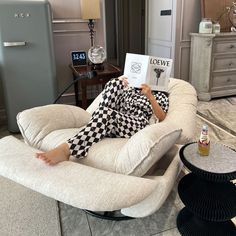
(106, 121)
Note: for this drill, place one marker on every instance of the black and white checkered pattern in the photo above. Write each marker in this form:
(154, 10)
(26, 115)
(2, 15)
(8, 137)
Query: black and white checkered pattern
(121, 113)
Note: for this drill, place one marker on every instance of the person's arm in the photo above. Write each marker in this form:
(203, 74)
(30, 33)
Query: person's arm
(124, 80)
(157, 110)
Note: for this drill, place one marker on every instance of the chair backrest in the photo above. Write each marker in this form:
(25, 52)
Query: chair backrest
(182, 108)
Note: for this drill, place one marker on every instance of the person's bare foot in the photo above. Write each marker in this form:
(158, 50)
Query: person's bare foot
(56, 155)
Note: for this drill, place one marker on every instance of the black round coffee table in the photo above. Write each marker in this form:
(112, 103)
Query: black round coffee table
(207, 192)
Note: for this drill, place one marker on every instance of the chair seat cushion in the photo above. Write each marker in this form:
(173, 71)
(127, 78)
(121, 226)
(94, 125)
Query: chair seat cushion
(134, 156)
(101, 155)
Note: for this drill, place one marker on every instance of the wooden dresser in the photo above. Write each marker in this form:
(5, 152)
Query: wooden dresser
(213, 64)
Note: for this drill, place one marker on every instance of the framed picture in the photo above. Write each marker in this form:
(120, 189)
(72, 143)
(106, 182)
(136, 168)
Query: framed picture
(216, 10)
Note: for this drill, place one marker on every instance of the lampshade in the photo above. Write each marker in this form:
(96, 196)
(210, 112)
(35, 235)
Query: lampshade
(90, 9)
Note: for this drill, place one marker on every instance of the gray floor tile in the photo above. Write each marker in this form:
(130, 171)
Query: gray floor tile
(73, 221)
(113, 228)
(221, 112)
(175, 196)
(171, 232)
(232, 100)
(163, 219)
(215, 133)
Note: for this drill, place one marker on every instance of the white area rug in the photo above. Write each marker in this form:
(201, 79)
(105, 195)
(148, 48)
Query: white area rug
(24, 212)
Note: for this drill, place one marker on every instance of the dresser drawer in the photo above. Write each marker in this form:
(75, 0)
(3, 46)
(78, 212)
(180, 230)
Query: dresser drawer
(223, 80)
(224, 46)
(213, 64)
(225, 63)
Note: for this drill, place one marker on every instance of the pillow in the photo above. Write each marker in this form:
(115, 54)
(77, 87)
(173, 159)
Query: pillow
(36, 123)
(145, 148)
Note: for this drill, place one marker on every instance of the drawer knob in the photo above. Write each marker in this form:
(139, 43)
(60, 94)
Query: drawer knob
(231, 46)
(229, 79)
(231, 63)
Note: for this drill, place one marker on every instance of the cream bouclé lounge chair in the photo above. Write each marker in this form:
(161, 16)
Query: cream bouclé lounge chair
(132, 175)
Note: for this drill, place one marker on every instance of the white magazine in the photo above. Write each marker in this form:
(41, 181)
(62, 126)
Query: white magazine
(143, 69)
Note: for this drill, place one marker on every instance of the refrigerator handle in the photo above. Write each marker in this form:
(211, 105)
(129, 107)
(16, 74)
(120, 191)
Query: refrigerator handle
(14, 44)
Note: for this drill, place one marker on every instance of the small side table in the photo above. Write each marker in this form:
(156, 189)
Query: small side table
(207, 192)
(103, 76)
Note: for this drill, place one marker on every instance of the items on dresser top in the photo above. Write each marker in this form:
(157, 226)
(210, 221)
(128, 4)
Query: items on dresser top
(213, 64)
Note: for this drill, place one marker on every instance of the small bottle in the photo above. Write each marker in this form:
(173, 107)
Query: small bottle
(205, 26)
(216, 28)
(204, 142)
(233, 28)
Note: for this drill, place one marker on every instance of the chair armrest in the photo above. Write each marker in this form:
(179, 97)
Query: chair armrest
(145, 148)
(38, 122)
(164, 185)
(81, 186)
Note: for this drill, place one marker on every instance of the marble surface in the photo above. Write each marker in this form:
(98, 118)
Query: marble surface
(221, 112)
(216, 133)
(73, 221)
(221, 159)
(171, 232)
(161, 221)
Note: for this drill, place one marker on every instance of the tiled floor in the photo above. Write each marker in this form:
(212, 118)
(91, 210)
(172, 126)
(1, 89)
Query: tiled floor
(75, 222)
(157, 224)
(221, 112)
(160, 223)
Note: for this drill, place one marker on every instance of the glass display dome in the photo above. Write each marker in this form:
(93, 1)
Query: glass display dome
(97, 54)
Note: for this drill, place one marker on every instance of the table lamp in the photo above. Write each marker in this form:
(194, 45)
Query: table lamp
(90, 10)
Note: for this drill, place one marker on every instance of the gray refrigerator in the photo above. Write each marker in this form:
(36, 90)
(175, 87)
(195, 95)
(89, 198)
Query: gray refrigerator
(27, 63)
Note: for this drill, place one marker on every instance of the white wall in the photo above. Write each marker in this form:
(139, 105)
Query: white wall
(72, 33)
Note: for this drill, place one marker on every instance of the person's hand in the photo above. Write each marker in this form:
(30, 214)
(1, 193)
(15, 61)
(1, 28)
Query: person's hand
(146, 90)
(157, 110)
(124, 80)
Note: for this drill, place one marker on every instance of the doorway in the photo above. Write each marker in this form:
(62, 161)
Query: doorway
(125, 29)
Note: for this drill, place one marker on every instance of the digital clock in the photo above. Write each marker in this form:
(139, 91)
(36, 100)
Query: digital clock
(78, 58)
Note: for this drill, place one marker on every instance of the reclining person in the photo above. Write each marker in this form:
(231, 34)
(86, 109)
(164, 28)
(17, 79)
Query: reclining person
(122, 112)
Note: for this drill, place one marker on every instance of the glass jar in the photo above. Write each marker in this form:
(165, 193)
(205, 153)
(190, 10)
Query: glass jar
(205, 26)
(216, 28)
